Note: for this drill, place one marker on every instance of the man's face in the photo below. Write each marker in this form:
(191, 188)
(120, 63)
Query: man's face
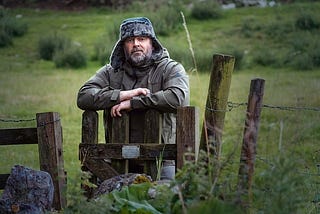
(138, 50)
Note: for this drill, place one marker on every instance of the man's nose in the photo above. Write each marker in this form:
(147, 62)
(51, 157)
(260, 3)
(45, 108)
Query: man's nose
(136, 42)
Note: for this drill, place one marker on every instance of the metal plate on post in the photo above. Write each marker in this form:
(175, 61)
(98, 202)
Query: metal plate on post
(129, 152)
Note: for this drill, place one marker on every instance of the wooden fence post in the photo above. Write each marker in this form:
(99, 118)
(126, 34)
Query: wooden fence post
(120, 134)
(51, 154)
(90, 121)
(152, 134)
(248, 151)
(187, 134)
(216, 105)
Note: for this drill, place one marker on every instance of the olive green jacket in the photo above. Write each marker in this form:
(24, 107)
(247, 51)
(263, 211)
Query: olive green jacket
(165, 78)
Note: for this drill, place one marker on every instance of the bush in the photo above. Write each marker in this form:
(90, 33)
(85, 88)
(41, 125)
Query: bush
(304, 52)
(104, 45)
(207, 9)
(10, 27)
(265, 57)
(166, 20)
(49, 44)
(306, 22)
(164, 14)
(5, 39)
(249, 26)
(72, 57)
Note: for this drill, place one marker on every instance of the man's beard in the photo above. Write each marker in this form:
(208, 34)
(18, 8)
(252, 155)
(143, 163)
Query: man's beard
(139, 59)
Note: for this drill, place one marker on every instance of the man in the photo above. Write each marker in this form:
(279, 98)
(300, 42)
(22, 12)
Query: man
(140, 76)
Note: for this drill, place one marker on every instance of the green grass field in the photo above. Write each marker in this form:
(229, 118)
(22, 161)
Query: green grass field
(29, 85)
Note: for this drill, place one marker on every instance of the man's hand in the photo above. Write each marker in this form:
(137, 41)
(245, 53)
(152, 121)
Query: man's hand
(124, 105)
(127, 95)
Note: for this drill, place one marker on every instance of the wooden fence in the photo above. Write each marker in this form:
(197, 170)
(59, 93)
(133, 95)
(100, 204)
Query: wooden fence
(48, 136)
(120, 151)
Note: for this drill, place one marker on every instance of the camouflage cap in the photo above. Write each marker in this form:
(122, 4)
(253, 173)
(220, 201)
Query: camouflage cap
(136, 26)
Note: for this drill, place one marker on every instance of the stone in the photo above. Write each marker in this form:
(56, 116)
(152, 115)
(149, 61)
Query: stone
(27, 191)
(117, 182)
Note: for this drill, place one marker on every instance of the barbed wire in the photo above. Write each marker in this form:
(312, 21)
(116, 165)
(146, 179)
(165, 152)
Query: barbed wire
(232, 105)
(16, 120)
(28, 120)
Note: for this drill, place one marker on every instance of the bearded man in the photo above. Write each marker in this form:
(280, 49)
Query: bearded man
(140, 76)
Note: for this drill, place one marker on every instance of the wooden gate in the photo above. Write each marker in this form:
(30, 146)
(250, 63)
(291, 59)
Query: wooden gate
(105, 160)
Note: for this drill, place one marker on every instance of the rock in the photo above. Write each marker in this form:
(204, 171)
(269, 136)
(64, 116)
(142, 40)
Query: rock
(117, 182)
(27, 191)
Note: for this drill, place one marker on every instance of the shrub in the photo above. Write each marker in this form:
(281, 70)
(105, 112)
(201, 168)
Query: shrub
(10, 27)
(164, 14)
(265, 57)
(72, 57)
(249, 26)
(49, 44)
(280, 188)
(306, 21)
(5, 39)
(14, 26)
(101, 52)
(104, 45)
(207, 9)
(304, 52)
(166, 20)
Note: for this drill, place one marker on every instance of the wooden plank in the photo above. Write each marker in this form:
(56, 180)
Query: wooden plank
(90, 121)
(90, 125)
(120, 135)
(114, 151)
(153, 127)
(250, 135)
(3, 180)
(16, 136)
(51, 154)
(100, 168)
(187, 134)
(152, 134)
(216, 104)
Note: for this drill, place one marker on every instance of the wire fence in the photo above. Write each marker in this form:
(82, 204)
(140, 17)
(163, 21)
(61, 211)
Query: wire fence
(233, 105)
(230, 106)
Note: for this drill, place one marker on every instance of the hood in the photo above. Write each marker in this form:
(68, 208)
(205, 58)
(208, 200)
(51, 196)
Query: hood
(137, 26)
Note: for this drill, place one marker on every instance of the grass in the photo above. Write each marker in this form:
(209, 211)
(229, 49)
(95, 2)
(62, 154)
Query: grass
(29, 85)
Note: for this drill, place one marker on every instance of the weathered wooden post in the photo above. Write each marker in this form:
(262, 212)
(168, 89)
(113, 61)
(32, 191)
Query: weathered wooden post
(90, 120)
(152, 134)
(120, 135)
(51, 154)
(216, 105)
(187, 134)
(248, 151)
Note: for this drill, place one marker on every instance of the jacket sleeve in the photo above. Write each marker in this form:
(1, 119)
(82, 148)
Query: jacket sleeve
(96, 93)
(174, 93)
